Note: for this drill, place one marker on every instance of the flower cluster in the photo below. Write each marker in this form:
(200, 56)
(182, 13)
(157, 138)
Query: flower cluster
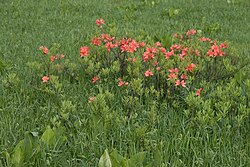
(44, 49)
(177, 65)
(173, 67)
(100, 22)
(84, 51)
(216, 50)
(56, 57)
(122, 83)
(48, 61)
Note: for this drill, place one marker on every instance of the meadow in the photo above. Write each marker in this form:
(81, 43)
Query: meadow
(155, 83)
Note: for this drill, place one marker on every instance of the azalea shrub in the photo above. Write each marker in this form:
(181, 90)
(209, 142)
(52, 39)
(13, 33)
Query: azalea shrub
(177, 68)
(173, 71)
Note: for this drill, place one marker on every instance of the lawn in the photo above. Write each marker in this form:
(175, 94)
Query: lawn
(57, 123)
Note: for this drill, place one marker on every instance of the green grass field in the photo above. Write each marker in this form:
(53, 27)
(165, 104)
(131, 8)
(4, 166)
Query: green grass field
(160, 132)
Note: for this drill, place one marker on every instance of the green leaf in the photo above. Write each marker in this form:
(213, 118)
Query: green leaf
(48, 137)
(29, 141)
(7, 157)
(137, 159)
(116, 159)
(59, 135)
(173, 12)
(105, 160)
(157, 158)
(18, 155)
(35, 134)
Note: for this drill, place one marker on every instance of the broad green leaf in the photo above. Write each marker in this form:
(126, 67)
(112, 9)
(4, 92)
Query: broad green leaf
(157, 158)
(105, 160)
(59, 135)
(48, 137)
(18, 155)
(125, 163)
(137, 160)
(7, 157)
(176, 11)
(29, 141)
(116, 159)
(173, 12)
(35, 134)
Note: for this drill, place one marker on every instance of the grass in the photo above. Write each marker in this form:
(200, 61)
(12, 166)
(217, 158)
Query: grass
(178, 141)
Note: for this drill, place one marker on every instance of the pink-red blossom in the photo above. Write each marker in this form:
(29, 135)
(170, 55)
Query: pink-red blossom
(45, 49)
(45, 79)
(198, 92)
(148, 73)
(190, 67)
(84, 51)
(96, 41)
(95, 79)
(182, 83)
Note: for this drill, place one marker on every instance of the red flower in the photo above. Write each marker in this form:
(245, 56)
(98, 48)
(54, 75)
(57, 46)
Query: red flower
(102, 21)
(169, 54)
(203, 39)
(62, 56)
(110, 45)
(198, 92)
(183, 53)
(155, 63)
(191, 32)
(142, 44)
(223, 45)
(96, 41)
(106, 37)
(172, 76)
(175, 47)
(84, 51)
(45, 79)
(149, 54)
(163, 50)
(182, 83)
(95, 79)
(183, 77)
(190, 67)
(52, 58)
(120, 83)
(158, 44)
(197, 53)
(129, 45)
(215, 51)
(99, 22)
(148, 73)
(210, 53)
(45, 49)
(173, 70)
